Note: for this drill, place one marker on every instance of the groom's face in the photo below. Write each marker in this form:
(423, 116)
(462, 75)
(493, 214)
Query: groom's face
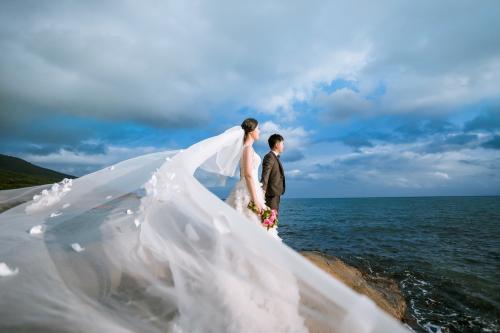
(280, 146)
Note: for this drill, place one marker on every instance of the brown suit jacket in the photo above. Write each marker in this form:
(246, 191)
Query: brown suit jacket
(273, 176)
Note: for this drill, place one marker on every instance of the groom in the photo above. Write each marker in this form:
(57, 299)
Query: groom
(273, 176)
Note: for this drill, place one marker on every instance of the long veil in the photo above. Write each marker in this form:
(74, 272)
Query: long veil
(143, 246)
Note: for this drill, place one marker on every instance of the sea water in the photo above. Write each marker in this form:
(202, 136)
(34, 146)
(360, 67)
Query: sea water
(443, 251)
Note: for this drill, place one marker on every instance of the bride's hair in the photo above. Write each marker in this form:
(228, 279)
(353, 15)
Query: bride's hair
(248, 126)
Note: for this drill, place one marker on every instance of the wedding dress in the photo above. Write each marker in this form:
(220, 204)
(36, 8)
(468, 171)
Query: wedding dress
(240, 196)
(143, 246)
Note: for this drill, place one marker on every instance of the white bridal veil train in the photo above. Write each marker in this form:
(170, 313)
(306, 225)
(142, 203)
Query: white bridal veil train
(143, 246)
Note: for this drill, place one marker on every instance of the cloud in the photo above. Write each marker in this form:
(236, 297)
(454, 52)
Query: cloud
(488, 120)
(417, 128)
(437, 164)
(302, 87)
(292, 156)
(342, 104)
(395, 129)
(293, 173)
(450, 142)
(162, 63)
(85, 147)
(443, 175)
(79, 162)
(460, 139)
(178, 64)
(494, 143)
(355, 140)
(295, 137)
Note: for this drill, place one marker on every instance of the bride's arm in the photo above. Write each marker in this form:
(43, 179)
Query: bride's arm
(248, 167)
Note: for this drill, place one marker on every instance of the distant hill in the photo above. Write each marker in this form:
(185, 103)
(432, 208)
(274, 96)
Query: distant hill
(16, 173)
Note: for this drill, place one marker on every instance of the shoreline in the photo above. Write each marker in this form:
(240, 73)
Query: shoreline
(383, 291)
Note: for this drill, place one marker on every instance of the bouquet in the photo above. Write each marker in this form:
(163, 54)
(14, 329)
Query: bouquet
(268, 217)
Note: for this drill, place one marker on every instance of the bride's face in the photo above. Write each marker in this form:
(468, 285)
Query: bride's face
(255, 134)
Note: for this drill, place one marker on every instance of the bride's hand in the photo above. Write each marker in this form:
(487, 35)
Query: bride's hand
(259, 207)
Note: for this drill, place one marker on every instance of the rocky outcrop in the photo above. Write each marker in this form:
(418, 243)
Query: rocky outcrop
(383, 291)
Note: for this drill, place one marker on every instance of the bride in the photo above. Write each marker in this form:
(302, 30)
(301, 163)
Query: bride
(248, 187)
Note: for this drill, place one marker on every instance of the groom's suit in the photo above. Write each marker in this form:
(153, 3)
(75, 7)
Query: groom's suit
(273, 180)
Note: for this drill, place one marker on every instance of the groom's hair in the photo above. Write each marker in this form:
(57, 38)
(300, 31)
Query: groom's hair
(274, 139)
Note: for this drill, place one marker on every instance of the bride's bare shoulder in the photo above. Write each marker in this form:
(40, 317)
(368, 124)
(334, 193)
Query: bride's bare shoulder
(247, 151)
(247, 146)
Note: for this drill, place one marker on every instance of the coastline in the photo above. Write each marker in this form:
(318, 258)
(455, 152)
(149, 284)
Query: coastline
(383, 291)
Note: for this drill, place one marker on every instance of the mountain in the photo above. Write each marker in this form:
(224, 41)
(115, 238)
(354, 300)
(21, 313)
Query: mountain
(16, 173)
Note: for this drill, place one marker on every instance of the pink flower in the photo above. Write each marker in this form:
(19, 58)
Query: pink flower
(267, 222)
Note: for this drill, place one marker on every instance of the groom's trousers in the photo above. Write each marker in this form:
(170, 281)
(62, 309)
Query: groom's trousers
(273, 202)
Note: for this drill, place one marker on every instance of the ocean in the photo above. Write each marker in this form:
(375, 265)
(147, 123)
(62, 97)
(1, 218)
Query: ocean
(443, 251)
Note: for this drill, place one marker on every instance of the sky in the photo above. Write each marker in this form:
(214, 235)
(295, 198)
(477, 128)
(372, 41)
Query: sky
(373, 98)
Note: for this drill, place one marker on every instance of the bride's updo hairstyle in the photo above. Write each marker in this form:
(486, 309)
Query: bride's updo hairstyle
(249, 125)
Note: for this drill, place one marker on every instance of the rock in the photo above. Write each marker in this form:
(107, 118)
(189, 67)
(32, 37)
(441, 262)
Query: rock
(383, 291)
